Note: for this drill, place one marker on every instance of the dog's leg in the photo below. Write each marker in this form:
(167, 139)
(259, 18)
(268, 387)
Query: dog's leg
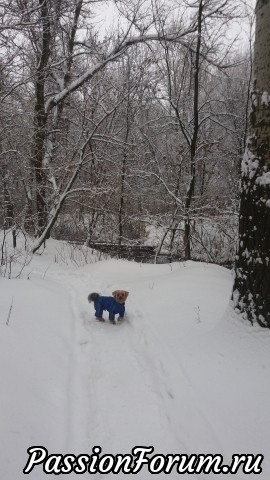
(98, 310)
(111, 318)
(99, 314)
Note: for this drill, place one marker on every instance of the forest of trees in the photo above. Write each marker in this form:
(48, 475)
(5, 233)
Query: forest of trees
(131, 134)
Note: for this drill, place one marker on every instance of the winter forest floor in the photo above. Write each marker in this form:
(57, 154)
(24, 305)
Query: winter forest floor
(182, 372)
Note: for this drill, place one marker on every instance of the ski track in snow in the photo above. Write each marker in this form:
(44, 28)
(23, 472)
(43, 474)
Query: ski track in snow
(182, 372)
(102, 389)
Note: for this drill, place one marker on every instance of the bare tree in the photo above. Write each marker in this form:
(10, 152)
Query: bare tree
(251, 291)
(197, 120)
(55, 48)
(96, 132)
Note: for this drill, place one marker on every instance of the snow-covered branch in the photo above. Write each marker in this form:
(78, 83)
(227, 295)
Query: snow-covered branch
(115, 53)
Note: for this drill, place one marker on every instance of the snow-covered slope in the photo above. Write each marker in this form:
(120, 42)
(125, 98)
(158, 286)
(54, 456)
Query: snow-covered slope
(182, 372)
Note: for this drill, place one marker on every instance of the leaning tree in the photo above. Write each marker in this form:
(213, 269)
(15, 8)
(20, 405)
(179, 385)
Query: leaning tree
(251, 291)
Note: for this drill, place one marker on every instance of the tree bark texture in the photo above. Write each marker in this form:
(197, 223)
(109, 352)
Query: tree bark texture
(194, 139)
(40, 121)
(251, 291)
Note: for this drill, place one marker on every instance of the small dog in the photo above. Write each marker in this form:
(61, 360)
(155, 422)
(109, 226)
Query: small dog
(114, 304)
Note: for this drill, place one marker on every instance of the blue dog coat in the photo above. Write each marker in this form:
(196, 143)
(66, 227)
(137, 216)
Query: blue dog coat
(110, 304)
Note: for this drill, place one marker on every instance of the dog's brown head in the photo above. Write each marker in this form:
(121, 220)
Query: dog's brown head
(120, 295)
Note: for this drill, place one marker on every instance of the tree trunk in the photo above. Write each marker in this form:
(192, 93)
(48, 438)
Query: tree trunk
(121, 204)
(40, 121)
(251, 291)
(193, 146)
(8, 206)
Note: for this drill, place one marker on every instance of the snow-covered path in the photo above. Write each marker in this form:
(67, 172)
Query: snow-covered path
(179, 373)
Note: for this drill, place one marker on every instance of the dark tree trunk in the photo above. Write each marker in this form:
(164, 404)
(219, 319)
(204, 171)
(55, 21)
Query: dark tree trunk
(251, 291)
(121, 204)
(8, 206)
(193, 146)
(40, 122)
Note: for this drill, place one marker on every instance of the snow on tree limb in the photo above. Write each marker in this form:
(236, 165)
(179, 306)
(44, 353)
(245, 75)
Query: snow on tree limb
(68, 189)
(116, 52)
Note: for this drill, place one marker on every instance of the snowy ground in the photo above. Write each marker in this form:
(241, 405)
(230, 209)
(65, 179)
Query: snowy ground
(182, 373)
